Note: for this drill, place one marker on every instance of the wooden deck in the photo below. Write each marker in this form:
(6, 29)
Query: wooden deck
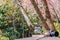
(40, 37)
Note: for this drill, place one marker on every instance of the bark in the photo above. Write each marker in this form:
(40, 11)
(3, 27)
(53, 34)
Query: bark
(40, 14)
(24, 13)
(56, 14)
(31, 26)
(48, 16)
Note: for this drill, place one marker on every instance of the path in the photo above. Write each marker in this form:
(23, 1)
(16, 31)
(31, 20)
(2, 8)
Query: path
(35, 37)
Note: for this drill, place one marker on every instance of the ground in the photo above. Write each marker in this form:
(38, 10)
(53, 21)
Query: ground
(40, 37)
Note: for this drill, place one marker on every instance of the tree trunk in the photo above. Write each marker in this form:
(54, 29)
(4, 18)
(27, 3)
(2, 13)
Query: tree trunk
(48, 16)
(56, 13)
(40, 14)
(27, 19)
(24, 13)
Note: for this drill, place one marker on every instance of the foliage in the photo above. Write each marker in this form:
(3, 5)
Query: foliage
(4, 38)
(57, 27)
(12, 22)
(35, 19)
